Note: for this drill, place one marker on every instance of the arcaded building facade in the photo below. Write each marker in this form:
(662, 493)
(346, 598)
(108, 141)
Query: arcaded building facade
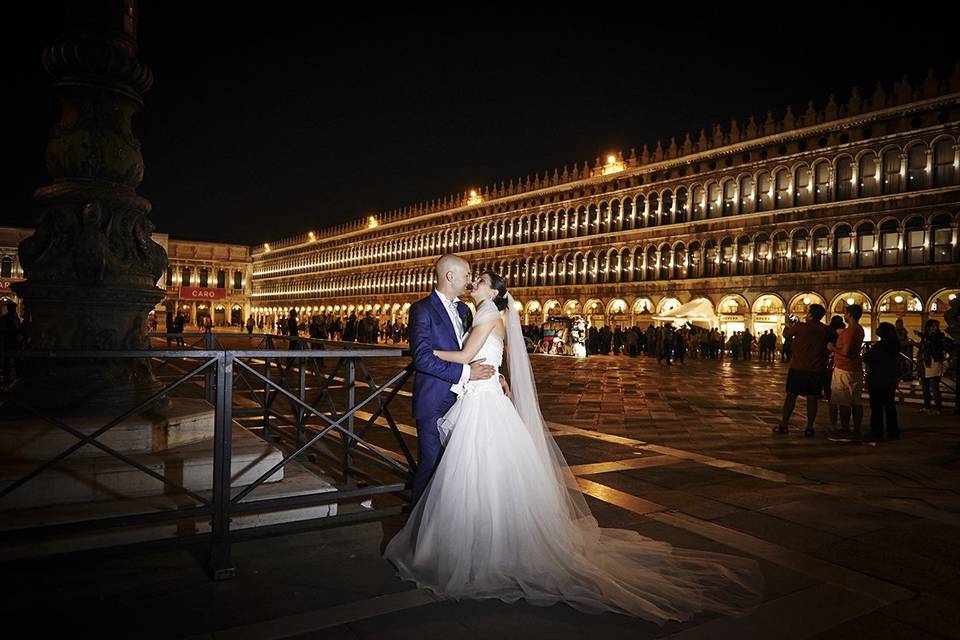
(852, 202)
(207, 279)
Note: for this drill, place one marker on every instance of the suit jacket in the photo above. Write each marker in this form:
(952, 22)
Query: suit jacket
(430, 328)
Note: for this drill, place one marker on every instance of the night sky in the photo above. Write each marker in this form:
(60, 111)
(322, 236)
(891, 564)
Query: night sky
(270, 125)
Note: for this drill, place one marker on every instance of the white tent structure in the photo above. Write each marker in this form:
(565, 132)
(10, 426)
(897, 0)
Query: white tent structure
(697, 312)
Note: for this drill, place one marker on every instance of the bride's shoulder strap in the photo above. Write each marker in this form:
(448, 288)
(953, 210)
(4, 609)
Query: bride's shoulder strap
(486, 312)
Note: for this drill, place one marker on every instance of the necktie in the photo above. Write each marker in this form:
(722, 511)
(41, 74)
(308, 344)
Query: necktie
(457, 324)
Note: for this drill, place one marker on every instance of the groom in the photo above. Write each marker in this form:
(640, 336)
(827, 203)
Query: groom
(439, 321)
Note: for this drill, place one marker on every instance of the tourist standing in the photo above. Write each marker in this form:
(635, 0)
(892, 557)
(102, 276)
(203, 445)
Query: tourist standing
(930, 354)
(846, 387)
(883, 373)
(836, 326)
(809, 359)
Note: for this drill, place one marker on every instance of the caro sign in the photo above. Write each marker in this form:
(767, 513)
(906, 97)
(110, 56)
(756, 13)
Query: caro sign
(202, 293)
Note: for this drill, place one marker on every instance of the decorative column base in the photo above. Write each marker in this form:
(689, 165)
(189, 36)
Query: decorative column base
(87, 318)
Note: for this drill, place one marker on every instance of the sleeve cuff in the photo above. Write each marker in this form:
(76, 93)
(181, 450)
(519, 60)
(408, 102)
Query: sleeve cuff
(465, 375)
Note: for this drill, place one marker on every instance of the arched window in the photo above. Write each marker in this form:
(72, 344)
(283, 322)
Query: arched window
(744, 255)
(821, 178)
(695, 268)
(637, 264)
(667, 206)
(651, 263)
(616, 216)
(941, 233)
(801, 250)
(844, 178)
(713, 200)
(782, 198)
(696, 201)
(781, 252)
(605, 221)
(679, 262)
(890, 243)
(665, 256)
(944, 166)
(654, 215)
(729, 197)
(727, 257)
(764, 192)
(748, 201)
(821, 249)
(869, 182)
(761, 254)
(891, 171)
(914, 240)
(917, 167)
(680, 206)
(803, 185)
(711, 258)
(866, 245)
(843, 250)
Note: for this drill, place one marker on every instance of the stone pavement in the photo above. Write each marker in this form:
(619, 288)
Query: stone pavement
(855, 541)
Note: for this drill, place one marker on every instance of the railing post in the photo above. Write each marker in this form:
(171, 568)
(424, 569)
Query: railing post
(221, 566)
(266, 391)
(351, 400)
(210, 393)
(301, 413)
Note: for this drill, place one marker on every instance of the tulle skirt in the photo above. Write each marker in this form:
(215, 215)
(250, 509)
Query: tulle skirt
(493, 523)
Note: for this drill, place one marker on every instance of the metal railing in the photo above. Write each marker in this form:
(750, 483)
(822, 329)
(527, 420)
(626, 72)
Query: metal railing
(294, 393)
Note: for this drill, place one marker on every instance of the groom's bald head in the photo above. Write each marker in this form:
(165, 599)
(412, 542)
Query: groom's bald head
(453, 273)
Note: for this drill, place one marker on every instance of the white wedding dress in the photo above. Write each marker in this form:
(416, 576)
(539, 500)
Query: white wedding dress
(502, 518)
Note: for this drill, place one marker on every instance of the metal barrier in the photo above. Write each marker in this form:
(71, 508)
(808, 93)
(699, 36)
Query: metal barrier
(313, 427)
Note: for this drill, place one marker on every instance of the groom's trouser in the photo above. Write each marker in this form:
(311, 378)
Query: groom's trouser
(428, 444)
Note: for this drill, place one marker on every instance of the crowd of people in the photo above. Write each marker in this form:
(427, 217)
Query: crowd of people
(322, 326)
(831, 362)
(672, 344)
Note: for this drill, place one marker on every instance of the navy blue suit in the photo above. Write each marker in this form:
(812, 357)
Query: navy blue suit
(430, 328)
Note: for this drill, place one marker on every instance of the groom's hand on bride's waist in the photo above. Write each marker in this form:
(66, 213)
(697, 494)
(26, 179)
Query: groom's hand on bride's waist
(504, 385)
(480, 371)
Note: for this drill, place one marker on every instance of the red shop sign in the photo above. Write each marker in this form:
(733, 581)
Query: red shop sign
(6, 282)
(202, 293)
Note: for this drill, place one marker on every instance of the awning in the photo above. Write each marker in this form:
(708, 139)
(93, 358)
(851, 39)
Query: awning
(699, 309)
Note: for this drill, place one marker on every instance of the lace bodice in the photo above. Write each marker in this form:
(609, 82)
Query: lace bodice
(491, 350)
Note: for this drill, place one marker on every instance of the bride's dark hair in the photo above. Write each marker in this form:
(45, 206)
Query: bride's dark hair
(499, 284)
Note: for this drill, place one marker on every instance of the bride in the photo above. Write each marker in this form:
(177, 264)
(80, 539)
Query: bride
(503, 518)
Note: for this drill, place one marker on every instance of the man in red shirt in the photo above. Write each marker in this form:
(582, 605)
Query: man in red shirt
(846, 386)
(807, 364)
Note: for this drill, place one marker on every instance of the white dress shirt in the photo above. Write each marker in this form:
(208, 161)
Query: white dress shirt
(451, 307)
